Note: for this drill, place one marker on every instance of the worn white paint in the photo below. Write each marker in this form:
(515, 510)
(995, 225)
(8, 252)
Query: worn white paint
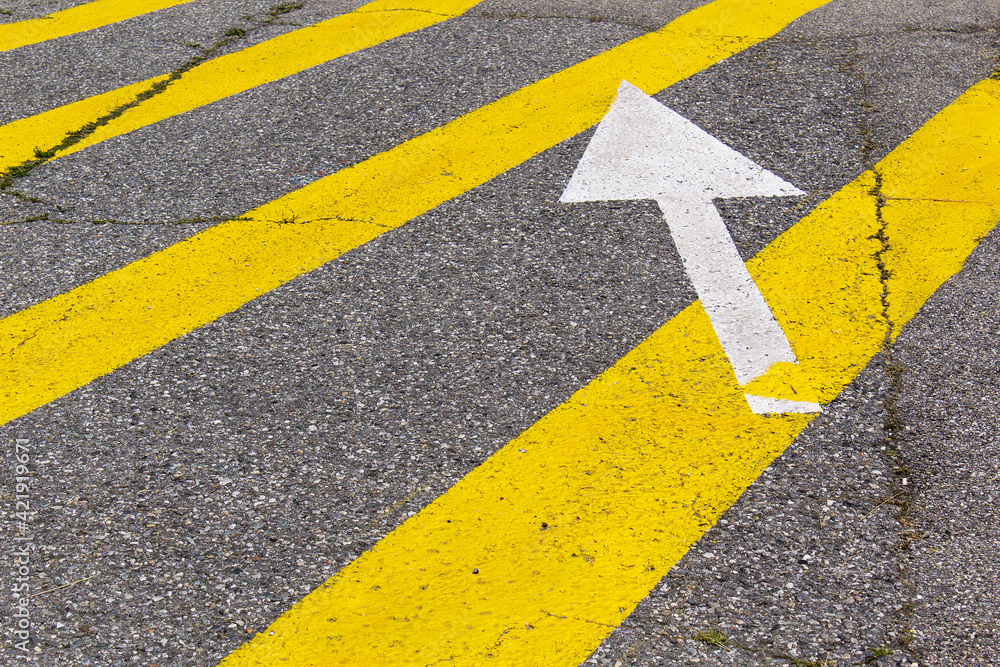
(643, 150)
(763, 405)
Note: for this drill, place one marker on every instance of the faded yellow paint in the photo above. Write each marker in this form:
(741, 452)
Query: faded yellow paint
(81, 18)
(634, 467)
(51, 348)
(224, 76)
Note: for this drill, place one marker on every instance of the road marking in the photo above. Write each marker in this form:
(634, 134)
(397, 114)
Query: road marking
(643, 150)
(765, 405)
(224, 76)
(20, 138)
(81, 18)
(55, 346)
(537, 555)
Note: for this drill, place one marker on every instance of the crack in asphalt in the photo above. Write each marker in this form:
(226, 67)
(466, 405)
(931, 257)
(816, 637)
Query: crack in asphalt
(46, 217)
(548, 614)
(403, 9)
(645, 27)
(8, 177)
(900, 495)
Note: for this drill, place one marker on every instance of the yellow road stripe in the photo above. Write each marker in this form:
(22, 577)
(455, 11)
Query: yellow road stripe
(634, 467)
(81, 18)
(227, 75)
(20, 138)
(51, 348)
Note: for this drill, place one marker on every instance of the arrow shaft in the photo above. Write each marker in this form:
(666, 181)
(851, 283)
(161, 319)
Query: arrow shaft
(742, 320)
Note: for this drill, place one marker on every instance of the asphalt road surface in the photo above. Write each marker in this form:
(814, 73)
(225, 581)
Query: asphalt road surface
(402, 295)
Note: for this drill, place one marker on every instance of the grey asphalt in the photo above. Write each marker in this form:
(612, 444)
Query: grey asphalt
(195, 494)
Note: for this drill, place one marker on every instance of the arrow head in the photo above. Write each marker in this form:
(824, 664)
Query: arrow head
(644, 150)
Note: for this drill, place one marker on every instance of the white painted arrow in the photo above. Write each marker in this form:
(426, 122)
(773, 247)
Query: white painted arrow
(643, 150)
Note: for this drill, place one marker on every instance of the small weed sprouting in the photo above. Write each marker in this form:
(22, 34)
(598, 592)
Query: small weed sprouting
(8, 177)
(17, 194)
(798, 662)
(284, 8)
(235, 32)
(892, 420)
(881, 652)
(712, 637)
(44, 217)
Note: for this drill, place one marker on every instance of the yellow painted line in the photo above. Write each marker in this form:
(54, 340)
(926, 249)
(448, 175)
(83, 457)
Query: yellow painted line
(81, 18)
(535, 556)
(54, 347)
(224, 76)
(20, 138)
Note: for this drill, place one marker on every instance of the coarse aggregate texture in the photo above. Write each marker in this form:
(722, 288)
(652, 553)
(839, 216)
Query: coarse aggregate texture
(221, 160)
(315, 11)
(44, 227)
(646, 15)
(873, 17)
(46, 75)
(756, 100)
(245, 150)
(899, 95)
(15, 208)
(869, 596)
(50, 257)
(801, 567)
(861, 536)
(195, 494)
(949, 455)
(23, 10)
(351, 397)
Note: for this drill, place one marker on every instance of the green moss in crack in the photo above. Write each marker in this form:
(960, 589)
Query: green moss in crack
(12, 174)
(713, 638)
(284, 8)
